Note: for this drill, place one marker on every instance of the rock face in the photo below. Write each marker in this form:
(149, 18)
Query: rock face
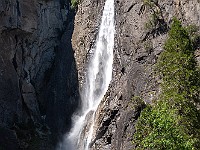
(38, 76)
(138, 42)
(44, 53)
(87, 22)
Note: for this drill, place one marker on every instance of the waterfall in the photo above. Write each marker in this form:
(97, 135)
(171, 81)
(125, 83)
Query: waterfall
(98, 77)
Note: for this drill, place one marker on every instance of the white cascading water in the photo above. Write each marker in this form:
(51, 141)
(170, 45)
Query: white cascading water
(98, 78)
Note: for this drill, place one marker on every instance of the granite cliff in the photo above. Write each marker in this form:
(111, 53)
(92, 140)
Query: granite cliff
(38, 81)
(139, 40)
(44, 49)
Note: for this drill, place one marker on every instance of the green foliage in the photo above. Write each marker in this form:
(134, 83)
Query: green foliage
(148, 46)
(147, 2)
(137, 102)
(173, 122)
(156, 15)
(74, 3)
(177, 64)
(194, 35)
(153, 21)
(150, 3)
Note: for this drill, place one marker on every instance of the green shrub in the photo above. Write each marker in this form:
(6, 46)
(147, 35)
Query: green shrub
(148, 46)
(153, 21)
(150, 3)
(173, 122)
(74, 3)
(137, 103)
(155, 17)
(194, 35)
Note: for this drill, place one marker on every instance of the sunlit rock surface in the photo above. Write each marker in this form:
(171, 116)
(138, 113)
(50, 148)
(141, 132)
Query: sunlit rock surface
(39, 88)
(136, 51)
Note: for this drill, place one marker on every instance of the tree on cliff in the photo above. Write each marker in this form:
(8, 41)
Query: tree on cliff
(173, 121)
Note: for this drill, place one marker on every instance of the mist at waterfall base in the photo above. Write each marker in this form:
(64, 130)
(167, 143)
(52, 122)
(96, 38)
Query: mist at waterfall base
(98, 77)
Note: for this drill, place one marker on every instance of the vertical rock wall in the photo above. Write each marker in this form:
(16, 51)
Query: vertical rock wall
(137, 47)
(87, 22)
(38, 77)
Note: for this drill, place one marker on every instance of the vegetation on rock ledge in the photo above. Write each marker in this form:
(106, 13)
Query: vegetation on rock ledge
(173, 122)
(74, 3)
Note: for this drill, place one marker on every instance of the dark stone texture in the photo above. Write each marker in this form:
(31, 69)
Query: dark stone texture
(38, 75)
(8, 139)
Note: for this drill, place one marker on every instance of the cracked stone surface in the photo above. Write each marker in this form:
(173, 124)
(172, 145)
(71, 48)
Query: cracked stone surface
(137, 48)
(38, 76)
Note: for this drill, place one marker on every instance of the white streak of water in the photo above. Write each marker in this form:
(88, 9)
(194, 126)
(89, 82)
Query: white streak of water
(98, 79)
